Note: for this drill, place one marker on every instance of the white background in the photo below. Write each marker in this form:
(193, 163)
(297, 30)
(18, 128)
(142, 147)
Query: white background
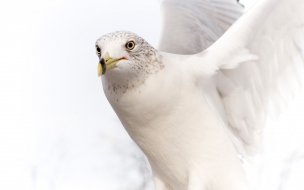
(57, 130)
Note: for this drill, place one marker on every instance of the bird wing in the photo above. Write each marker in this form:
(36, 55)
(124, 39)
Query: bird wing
(191, 26)
(260, 66)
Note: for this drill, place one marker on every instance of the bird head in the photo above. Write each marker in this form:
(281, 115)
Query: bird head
(125, 52)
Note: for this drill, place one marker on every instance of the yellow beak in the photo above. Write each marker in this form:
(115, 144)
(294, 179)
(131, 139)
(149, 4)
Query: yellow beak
(106, 63)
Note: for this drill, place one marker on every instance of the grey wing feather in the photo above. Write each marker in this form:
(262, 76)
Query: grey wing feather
(260, 66)
(191, 26)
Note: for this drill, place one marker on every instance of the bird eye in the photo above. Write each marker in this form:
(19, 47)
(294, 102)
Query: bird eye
(130, 45)
(98, 50)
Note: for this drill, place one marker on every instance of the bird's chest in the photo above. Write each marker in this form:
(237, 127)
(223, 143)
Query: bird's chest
(154, 108)
(172, 124)
(142, 107)
(167, 122)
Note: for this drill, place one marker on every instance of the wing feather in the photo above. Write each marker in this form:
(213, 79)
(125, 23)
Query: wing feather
(191, 26)
(260, 60)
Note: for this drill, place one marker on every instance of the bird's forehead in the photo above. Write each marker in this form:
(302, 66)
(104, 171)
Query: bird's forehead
(120, 36)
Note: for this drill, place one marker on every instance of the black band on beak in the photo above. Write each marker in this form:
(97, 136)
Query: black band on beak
(103, 64)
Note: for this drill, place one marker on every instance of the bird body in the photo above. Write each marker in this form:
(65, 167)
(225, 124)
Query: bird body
(193, 114)
(179, 132)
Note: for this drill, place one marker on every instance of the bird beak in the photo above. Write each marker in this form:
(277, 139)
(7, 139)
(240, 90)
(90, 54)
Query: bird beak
(106, 63)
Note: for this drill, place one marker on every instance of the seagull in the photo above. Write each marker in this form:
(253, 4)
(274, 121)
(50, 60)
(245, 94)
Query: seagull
(202, 98)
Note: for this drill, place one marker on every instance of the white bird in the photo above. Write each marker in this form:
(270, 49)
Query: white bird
(193, 114)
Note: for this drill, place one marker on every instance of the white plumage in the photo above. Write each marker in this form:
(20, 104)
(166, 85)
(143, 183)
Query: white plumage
(192, 114)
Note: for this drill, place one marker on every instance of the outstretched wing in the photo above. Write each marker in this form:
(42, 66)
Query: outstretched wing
(191, 26)
(260, 66)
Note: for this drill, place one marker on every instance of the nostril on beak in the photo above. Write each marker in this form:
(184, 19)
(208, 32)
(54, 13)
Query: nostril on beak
(106, 57)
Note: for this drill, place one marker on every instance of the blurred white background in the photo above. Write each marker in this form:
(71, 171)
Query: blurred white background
(57, 130)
